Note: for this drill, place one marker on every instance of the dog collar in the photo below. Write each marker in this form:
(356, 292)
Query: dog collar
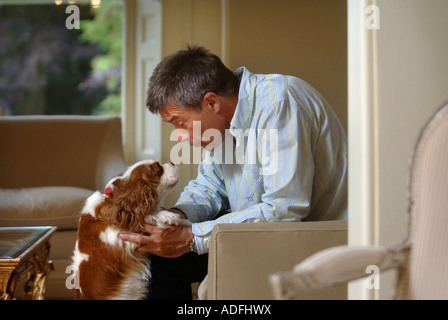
(108, 192)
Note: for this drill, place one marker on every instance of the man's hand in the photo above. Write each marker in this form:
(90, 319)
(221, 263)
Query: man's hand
(171, 242)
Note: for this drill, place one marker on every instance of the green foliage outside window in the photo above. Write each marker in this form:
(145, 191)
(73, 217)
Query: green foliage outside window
(46, 68)
(105, 29)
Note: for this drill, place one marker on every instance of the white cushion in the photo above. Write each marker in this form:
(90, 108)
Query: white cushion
(55, 206)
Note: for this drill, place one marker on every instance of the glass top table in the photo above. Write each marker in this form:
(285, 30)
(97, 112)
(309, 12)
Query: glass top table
(24, 260)
(15, 240)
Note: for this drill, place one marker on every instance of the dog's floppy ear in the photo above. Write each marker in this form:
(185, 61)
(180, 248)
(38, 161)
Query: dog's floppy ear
(131, 201)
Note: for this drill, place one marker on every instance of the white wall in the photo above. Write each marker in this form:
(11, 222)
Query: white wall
(405, 70)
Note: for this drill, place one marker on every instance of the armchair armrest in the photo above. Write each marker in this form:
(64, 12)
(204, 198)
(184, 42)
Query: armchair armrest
(335, 266)
(242, 256)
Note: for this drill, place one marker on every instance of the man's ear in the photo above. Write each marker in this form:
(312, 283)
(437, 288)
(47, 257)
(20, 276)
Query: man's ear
(211, 100)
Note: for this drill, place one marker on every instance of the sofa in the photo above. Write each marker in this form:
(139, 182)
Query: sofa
(49, 166)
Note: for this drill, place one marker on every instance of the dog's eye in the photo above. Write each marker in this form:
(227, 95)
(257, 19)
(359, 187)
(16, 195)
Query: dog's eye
(159, 169)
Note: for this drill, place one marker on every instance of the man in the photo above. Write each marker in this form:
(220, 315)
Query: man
(276, 151)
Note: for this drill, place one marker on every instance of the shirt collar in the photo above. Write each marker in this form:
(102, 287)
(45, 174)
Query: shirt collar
(244, 109)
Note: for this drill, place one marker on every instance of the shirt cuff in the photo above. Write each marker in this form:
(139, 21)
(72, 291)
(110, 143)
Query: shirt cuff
(202, 241)
(186, 209)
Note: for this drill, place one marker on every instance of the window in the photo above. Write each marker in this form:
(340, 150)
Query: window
(51, 65)
(99, 88)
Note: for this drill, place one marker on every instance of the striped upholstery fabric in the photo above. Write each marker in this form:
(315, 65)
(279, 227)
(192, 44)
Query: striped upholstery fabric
(427, 276)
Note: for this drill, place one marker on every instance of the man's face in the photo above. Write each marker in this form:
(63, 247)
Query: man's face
(190, 125)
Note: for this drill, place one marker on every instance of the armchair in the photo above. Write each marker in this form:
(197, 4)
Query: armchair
(241, 256)
(420, 260)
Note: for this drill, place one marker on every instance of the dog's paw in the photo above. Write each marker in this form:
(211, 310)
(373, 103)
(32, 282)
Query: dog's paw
(163, 219)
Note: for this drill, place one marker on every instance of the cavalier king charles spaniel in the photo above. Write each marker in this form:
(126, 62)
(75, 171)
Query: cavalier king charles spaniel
(105, 266)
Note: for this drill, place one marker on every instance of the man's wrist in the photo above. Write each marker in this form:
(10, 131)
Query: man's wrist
(193, 245)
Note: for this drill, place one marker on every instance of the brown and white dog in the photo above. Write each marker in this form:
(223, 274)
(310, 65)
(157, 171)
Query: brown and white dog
(106, 267)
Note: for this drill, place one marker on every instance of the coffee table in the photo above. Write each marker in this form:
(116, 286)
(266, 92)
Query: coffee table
(24, 260)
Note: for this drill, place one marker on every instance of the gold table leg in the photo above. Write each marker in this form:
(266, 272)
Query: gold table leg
(36, 277)
(8, 281)
(35, 270)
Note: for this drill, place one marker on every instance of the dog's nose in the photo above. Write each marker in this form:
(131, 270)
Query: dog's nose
(172, 164)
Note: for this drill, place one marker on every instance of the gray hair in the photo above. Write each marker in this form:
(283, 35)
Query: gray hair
(186, 76)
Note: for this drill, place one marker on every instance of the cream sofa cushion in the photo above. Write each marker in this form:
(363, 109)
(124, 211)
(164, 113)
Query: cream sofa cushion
(56, 206)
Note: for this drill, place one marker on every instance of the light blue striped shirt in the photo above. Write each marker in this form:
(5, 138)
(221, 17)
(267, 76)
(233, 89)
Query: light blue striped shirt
(284, 159)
